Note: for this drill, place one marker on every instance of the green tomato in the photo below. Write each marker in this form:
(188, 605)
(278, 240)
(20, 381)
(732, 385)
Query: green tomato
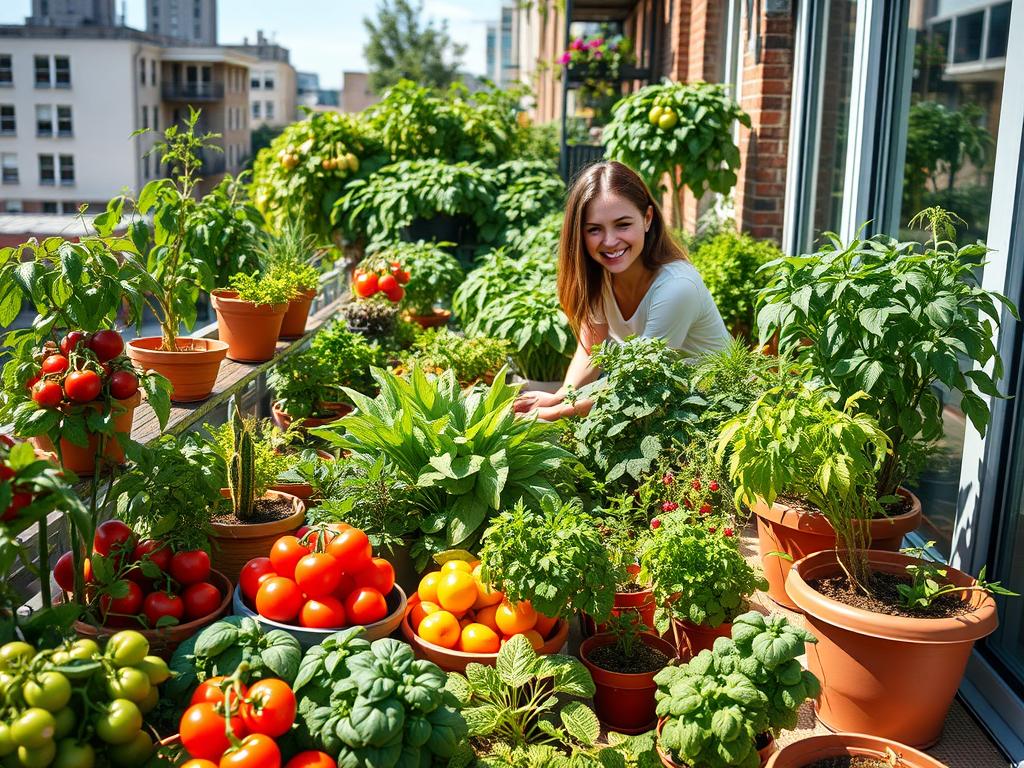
(149, 703)
(7, 745)
(49, 690)
(84, 649)
(66, 720)
(37, 757)
(71, 754)
(60, 658)
(132, 753)
(34, 728)
(119, 723)
(127, 648)
(654, 115)
(129, 683)
(668, 120)
(12, 654)
(156, 668)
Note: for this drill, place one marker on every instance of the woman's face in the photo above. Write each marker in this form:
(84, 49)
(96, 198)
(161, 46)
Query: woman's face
(613, 231)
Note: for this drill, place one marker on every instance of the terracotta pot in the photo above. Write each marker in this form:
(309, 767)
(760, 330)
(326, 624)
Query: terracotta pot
(765, 753)
(308, 636)
(234, 545)
(250, 330)
(890, 676)
(436, 319)
(694, 638)
(301, 491)
(82, 460)
(294, 323)
(808, 750)
(624, 701)
(283, 420)
(641, 602)
(798, 533)
(163, 641)
(455, 661)
(192, 370)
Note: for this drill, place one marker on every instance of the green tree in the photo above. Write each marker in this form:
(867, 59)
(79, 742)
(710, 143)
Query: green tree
(402, 47)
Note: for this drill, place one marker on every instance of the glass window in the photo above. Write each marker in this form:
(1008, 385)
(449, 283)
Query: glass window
(64, 125)
(9, 168)
(998, 31)
(968, 37)
(254, 82)
(44, 120)
(50, 206)
(62, 69)
(47, 170)
(156, 118)
(6, 69)
(142, 71)
(8, 125)
(42, 64)
(145, 116)
(256, 110)
(270, 110)
(268, 80)
(15, 206)
(69, 208)
(152, 71)
(145, 167)
(67, 170)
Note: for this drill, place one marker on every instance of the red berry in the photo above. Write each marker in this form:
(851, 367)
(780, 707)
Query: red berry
(705, 509)
(728, 532)
(711, 529)
(655, 524)
(666, 506)
(668, 479)
(687, 503)
(713, 486)
(696, 485)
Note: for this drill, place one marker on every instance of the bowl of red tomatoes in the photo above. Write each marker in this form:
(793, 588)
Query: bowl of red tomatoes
(319, 581)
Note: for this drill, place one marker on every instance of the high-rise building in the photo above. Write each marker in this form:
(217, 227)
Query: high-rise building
(190, 21)
(503, 47)
(273, 88)
(72, 13)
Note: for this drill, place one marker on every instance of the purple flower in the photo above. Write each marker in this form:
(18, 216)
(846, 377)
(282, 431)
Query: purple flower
(597, 54)
(565, 58)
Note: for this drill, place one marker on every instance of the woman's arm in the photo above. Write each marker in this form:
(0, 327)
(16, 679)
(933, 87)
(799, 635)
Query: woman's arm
(581, 371)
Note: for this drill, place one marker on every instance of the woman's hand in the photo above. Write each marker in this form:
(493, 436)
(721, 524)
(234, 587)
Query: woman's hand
(531, 401)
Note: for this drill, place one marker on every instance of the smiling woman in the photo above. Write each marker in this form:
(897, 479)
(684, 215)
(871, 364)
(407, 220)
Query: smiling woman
(620, 274)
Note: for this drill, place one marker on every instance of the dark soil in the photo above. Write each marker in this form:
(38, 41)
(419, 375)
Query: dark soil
(800, 505)
(885, 599)
(850, 762)
(645, 659)
(762, 740)
(630, 586)
(266, 511)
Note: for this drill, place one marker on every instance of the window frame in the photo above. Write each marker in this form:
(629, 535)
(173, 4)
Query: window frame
(62, 166)
(57, 71)
(62, 133)
(40, 133)
(6, 177)
(43, 181)
(8, 70)
(36, 60)
(13, 130)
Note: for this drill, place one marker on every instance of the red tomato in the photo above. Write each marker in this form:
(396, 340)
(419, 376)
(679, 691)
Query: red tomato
(19, 500)
(64, 572)
(285, 555)
(209, 691)
(387, 283)
(396, 294)
(203, 731)
(317, 574)
(199, 764)
(379, 574)
(47, 394)
(366, 284)
(160, 604)
(55, 364)
(106, 345)
(255, 751)
(123, 384)
(254, 573)
(201, 600)
(113, 537)
(129, 605)
(352, 550)
(270, 708)
(345, 585)
(311, 759)
(279, 599)
(83, 386)
(158, 554)
(365, 605)
(190, 567)
(71, 341)
(402, 277)
(323, 613)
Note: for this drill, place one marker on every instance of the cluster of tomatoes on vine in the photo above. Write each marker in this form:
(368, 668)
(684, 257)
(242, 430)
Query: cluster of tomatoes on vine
(20, 496)
(81, 368)
(149, 585)
(368, 282)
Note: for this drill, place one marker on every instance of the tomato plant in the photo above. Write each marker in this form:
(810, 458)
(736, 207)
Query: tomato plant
(211, 691)
(83, 386)
(119, 722)
(106, 344)
(156, 552)
(125, 599)
(54, 364)
(112, 537)
(317, 574)
(365, 605)
(203, 730)
(322, 613)
(352, 549)
(47, 393)
(379, 574)
(255, 751)
(285, 555)
(279, 599)
(158, 606)
(123, 384)
(70, 342)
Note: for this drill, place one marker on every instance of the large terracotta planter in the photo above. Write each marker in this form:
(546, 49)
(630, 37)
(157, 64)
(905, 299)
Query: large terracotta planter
(797, 533)
(82, 460)
(192, 370)
(809, 750)
(435, 319)
(694, 638)
(890, 676)
(250, 330)
(294, 323)
(765, 753)
(283, 420)
(624, 702)
(235, 545)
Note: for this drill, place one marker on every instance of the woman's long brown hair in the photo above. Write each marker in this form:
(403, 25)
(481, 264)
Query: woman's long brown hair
(580, 278)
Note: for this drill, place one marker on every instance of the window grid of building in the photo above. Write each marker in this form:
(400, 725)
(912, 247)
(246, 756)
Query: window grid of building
(9, 168)
(6, 69)
(64, 124)
(44, 120)
(8, 124)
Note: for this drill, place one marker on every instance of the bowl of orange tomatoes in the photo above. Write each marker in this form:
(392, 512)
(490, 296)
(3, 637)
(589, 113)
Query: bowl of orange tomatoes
(455, 618)
(320, 581)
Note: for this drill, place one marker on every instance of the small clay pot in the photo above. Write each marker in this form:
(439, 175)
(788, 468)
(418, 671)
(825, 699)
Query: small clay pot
(809, 750)
(436, 319)
(82, 460)
(640, 602)
(694, 638)
(294, 323)
(301, 491)
(192, 369)
(234, 545)
(250, 330)
(283, 420)
(624, 701)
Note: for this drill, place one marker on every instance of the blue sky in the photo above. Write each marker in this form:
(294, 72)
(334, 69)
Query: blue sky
(324, 36)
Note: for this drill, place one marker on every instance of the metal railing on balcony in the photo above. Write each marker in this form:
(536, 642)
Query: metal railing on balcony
(193, 91)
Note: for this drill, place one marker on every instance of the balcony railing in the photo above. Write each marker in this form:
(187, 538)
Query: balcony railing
(193, 91)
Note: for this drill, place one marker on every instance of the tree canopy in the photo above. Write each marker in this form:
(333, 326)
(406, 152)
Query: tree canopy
(401, 46)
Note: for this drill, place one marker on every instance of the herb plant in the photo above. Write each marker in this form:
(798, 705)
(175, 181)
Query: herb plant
(472, 359)
(225, 230)
(302, 383)
(928, 582)
(270, 289)
(348, 355)
(552, 556)
(530, 190)
(288, 256)
(434, 273)
(499, 274)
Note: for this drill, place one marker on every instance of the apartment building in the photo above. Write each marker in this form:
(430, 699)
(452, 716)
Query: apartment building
(189, 21)
(356, 94)
(273, 87)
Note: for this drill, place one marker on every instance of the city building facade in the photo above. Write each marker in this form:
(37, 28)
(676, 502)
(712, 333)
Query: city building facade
(190, 21)
(356, 94)
(273, 86)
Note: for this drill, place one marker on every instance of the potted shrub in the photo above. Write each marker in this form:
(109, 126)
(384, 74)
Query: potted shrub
(431, 275)
(891, 320)
(374, 318)
(350, 356)
(472, 359)
(305, 392)
(250, 313)
(287, 256)
(257, 516)
(227, 229)
(812, 751)
(170, 277)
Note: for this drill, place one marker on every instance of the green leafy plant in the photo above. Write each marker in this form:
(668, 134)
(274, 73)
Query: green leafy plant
(289, 257)
(349, 356)
(892, 320)
(499, 274)
(375, 703)
(226, 229)
(730, 264)
(262, 290)
(553, 556)
(928, 582)
(434, 273)
(465, 453)
(472, 359)
(303, 383)
(683, 130)
(374, 318)
(626, 627)
(530, 190)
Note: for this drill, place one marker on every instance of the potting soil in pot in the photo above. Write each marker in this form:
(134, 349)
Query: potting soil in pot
(886, 597)
(850, 762)
(265, 511)
(644, 659)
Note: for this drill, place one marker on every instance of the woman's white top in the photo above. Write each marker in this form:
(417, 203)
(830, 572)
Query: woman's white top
(677, 308)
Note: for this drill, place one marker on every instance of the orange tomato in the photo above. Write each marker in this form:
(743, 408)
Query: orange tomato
(477, 638)
(486, 595)
(513, 619)
(456, 565)
(544, 625)
(465, 621)
(485, 616)
(534, 637)
(456, 591)
(420, 611)
(427, 589)
(440, 628)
